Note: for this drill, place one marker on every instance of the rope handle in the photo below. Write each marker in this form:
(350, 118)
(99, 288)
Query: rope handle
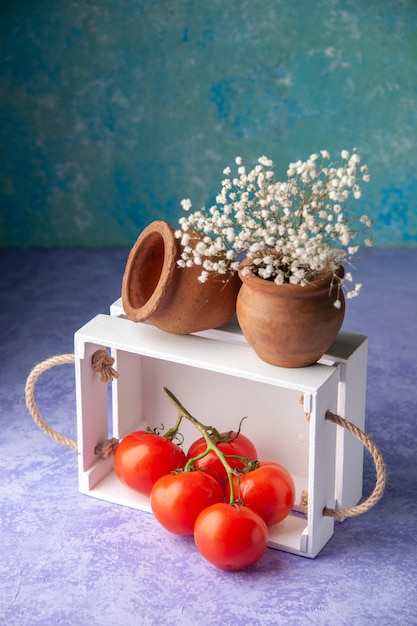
(380, 468)
(102, 363)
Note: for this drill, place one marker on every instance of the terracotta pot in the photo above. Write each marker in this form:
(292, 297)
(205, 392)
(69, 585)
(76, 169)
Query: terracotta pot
(290, 325)
(154, 288)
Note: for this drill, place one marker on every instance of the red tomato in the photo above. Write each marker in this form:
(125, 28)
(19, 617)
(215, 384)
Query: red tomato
(230, 537)
(269, 490)
(178, 499)
(241, 446)
(143, 457)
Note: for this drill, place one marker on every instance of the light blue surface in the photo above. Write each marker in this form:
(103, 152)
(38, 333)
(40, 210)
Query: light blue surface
(112, 112)
(73, 560)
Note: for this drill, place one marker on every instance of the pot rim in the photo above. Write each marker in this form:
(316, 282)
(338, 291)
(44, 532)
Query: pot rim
(157, 230)
(311, 288)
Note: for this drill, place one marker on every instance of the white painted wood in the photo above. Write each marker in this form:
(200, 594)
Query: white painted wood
(351, 353)
(321, 477)
(220, 380)
(92, 404)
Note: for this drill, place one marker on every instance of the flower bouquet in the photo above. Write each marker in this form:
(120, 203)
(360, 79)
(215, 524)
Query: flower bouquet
(287, 232)
(289, 239)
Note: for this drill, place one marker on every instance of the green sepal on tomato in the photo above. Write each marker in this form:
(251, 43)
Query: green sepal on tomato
(235, 445)
(269, 490)
(231, 537)
(142, 457)
(178, 499)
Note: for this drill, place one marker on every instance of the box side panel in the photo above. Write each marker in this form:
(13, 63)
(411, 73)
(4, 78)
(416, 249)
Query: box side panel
(349, 451)
(92, 407)
(321, 478)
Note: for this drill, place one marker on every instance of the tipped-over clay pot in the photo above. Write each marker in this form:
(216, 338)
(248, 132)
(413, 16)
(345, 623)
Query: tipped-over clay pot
(154, 288)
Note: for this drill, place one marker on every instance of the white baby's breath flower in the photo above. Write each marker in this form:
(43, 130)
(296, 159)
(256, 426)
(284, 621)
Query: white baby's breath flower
(354, 292)
(186, 204)
(365, 220)
(203, 276)
(354, 160)
(263, 160)
(200, 248)
(301, 226)
(185, 239)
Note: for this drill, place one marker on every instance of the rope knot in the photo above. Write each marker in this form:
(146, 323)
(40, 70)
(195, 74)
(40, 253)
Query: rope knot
(102, 363)
(303, 504)
(106, 449)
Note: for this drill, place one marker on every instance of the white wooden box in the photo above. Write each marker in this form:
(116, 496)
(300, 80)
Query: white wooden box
(219, 378)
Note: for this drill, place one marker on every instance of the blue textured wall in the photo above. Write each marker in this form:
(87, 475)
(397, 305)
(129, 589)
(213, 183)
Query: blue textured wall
(111, 111)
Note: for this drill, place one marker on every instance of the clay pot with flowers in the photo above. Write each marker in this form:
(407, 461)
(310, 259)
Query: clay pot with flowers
(290, 242)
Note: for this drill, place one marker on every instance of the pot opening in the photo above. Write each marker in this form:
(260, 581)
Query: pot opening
(147, 270)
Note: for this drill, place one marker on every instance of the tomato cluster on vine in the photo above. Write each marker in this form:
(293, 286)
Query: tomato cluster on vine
(219, 491)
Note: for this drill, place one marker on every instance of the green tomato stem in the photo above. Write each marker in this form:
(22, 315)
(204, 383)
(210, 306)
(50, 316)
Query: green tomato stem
(189, 465)
(173, 432)
(249, 465)
(211, 446)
